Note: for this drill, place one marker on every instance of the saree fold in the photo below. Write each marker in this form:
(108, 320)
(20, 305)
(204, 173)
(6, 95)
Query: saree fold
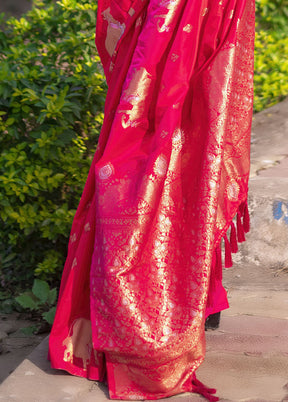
(169, 175)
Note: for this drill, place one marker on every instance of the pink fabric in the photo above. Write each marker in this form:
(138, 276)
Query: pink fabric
(170, 173)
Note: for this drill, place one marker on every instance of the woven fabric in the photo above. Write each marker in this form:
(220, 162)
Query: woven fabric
(169, 175)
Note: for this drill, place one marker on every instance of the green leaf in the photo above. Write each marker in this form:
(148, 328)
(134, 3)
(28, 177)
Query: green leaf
(49, 315)
(31, 330)
(26, 301)
(26, 109)
(41, 290)
(52, 296)
(67, 136)
(10, 121)
(6, 306)
(9, 258)
(22, 197)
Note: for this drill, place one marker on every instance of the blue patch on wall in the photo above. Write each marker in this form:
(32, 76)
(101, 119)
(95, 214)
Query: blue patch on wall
(280, 211)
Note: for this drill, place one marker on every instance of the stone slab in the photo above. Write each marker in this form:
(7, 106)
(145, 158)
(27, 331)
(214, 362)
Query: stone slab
(268, 189)
(240, 377)
(253, 325)
(247, 359)
(35, 381)
(250, 345)
(269, 137)
(261, 303)
(245, 378)
(268, 238)
(250, 335)
(279, 170)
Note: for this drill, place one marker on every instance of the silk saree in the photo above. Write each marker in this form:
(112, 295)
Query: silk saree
(167, 186)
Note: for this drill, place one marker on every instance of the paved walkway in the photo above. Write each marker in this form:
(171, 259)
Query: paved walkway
(247, 357)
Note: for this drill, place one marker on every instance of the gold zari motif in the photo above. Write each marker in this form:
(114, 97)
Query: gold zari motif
(79, 343)
(170, 6)
(135, 95)
(188, 28)
(114, 31)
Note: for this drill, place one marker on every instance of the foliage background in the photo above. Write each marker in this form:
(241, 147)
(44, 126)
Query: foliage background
(52, 93)
(271, 53)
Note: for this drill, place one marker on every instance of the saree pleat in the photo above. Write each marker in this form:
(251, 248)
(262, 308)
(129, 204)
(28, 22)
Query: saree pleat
(144, 264)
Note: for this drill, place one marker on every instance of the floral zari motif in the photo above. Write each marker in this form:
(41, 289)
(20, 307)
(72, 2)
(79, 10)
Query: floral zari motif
(169, 175)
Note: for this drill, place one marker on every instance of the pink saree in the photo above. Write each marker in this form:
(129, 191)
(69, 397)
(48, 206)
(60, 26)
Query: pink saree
(144, 264)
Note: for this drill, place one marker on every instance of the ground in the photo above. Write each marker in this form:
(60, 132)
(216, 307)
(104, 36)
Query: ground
(14, 7)
(15, 346)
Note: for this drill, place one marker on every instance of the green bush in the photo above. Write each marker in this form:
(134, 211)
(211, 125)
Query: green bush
(271, 53)
(52, 93)
(271, 69)
(272, 14)
(40, 300)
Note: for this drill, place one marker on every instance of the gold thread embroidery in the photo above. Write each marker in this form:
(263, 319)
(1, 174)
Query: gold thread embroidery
(178, 139)
(163, 134)
(106, 171)
(74, 263)
(111, 67)
(187, 28)
(205, 11)
(114, 31)
(135, 95)
(131, 12)
(73, 238)
(87, 227)
(174, 57)
(161, 165)
(170, 5)
(139, 21)
(233, 190)
(79, 342)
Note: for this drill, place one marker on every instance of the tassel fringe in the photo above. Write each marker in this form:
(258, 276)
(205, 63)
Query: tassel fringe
(240, 230)
(218, 262)
(228, 253)
(199, 388)
(233, 239)
(216, 271)
(243, 226)
(246, 219)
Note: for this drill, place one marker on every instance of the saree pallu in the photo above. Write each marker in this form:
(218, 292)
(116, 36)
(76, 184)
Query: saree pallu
(169, 175)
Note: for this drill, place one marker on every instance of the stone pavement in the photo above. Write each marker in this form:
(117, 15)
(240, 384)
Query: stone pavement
(247, 357)
(268, 199)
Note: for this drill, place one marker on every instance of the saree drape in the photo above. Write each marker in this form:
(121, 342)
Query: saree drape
(169, 175)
